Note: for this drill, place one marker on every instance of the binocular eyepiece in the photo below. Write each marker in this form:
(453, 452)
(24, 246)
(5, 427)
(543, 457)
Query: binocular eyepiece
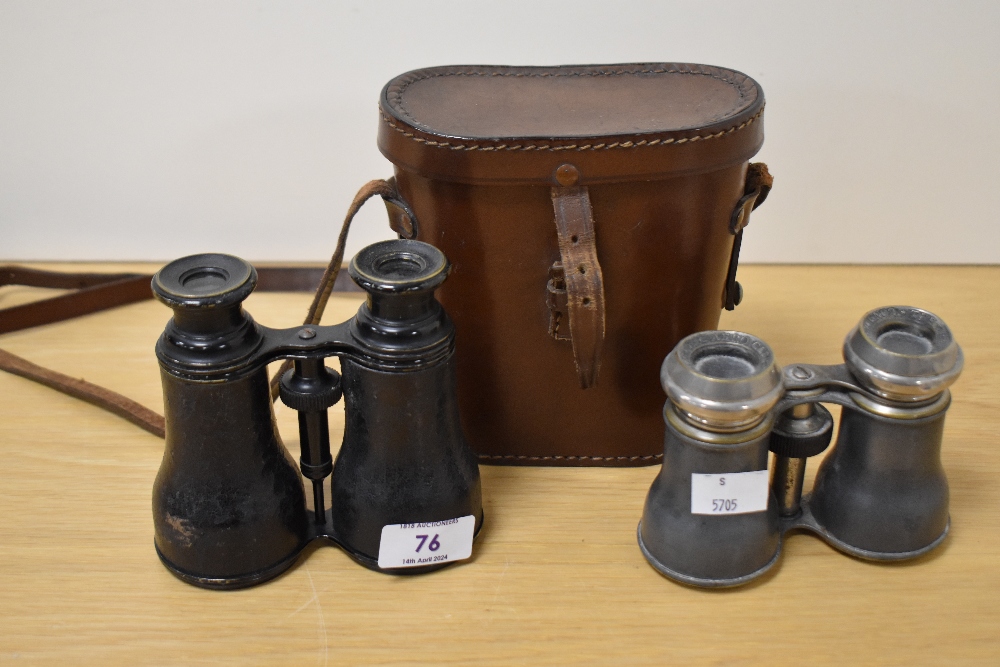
(229, 506)
(713, 518)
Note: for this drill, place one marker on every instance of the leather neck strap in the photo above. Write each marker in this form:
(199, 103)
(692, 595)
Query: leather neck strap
(93, 292)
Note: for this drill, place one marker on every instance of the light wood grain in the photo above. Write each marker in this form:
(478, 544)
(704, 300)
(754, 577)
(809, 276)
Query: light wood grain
(556, 578)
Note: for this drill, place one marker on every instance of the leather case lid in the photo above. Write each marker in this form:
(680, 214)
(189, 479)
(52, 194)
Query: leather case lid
(517, 125)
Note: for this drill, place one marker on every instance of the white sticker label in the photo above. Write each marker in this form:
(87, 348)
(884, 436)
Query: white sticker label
(729, 493)
(416, 544)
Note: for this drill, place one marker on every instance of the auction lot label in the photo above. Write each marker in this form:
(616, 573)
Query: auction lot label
(431, 543)
(729, 493)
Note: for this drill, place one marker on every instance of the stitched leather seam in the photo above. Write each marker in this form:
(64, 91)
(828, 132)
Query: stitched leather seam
(569, 147)
(726, 76)
(522, 457)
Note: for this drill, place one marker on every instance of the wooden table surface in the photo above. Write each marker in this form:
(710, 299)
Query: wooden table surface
(556, 577)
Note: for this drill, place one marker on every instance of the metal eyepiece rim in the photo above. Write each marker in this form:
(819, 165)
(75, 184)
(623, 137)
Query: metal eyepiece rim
(235, 279)
(428, 264)
(898, 376)
(716, 403)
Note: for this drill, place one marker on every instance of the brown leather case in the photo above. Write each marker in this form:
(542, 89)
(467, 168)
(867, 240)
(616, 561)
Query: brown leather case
(591, 215)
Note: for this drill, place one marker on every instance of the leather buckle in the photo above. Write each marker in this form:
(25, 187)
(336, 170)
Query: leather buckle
(755, 191)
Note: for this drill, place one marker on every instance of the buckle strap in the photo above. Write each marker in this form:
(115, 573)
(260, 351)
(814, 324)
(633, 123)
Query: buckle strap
(584, 283)
(755, 190)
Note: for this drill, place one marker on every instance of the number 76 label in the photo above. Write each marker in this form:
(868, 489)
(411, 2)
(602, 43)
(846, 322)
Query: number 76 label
(429, 543)
(729, 493)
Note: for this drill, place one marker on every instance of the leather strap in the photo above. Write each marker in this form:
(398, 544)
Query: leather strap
(93, 292)
(403, 222)
(100, 291)
(583, 279)
(756, 187)
(109, 400)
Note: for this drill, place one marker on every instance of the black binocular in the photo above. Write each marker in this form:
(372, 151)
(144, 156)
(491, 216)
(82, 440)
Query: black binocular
(229, 506)
(712, 517)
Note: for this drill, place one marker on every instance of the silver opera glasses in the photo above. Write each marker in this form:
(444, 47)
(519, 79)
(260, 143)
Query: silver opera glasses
(714, 518)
